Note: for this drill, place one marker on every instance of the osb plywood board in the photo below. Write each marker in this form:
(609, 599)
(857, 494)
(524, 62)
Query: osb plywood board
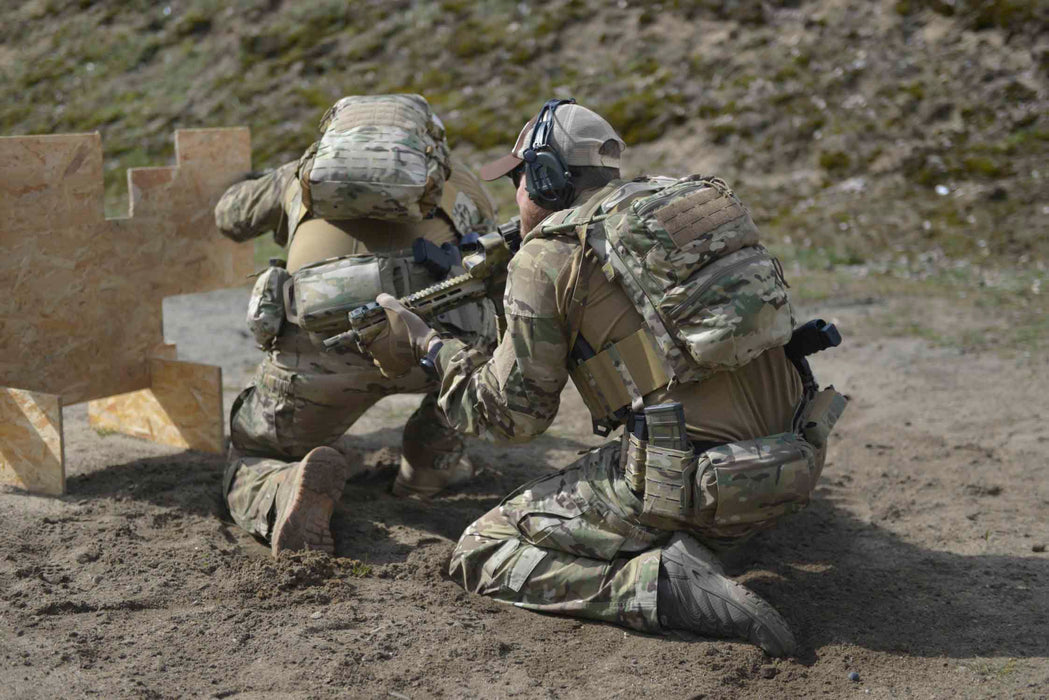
(31, 450)
(182, 408)
(81, 304)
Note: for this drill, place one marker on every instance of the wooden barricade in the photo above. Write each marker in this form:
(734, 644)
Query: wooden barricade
(81, 295)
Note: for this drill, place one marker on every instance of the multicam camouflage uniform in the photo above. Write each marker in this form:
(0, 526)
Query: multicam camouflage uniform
(572, 542)
(301, 397)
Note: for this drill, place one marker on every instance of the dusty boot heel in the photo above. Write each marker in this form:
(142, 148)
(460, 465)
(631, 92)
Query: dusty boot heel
(306, 501)
(412, 482)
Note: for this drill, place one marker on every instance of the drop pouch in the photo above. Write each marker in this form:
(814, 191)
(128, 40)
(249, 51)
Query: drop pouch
(759, 480)
(266, 305)
(819, 417)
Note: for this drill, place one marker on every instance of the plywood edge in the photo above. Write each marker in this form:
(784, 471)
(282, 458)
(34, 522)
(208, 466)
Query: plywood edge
(182, 407)
(32, 450)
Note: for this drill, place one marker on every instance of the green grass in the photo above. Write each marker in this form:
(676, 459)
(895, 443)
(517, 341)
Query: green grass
(360, 570)
(994, 668)
(487, 66)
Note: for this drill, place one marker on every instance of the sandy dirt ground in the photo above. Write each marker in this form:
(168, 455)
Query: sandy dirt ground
(921, 565)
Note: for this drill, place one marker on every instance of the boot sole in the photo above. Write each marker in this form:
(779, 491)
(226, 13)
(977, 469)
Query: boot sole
(318, 485)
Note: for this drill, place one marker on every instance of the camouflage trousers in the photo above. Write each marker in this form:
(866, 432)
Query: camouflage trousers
(571, 543)
(301, 398)
(568, 543)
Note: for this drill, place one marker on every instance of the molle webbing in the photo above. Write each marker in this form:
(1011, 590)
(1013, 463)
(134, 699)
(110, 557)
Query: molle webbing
(698, 213)
(620, 374)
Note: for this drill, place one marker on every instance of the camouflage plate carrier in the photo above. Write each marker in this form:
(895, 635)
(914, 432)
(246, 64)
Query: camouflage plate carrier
(687, 254)
(380, 157)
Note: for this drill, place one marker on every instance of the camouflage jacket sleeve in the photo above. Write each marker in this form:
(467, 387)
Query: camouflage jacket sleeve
(251, 208)
(514, 395)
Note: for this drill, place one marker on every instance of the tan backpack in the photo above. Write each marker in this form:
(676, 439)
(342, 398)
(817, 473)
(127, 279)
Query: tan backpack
(380, 157)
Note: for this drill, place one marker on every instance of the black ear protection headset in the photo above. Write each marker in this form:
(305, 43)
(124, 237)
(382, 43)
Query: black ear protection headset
(547, 179)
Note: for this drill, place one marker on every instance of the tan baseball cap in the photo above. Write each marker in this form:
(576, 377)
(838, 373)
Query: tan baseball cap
(580, 136)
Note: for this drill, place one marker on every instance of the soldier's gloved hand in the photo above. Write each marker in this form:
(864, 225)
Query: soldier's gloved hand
(403, 342)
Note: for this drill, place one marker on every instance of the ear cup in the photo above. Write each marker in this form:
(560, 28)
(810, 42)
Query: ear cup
(548, 181)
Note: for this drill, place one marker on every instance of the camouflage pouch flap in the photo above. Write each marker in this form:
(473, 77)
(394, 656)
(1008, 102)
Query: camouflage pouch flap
(761, 480)
(668, 484)
(731, 311)
(821, 414)
(266, 306)
(381, 157)
(319, 297)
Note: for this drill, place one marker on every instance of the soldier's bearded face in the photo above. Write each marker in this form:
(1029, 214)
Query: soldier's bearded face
(531, 213)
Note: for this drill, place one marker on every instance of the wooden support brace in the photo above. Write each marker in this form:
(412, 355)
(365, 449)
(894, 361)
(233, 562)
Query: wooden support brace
(32, 454)
(182, 407)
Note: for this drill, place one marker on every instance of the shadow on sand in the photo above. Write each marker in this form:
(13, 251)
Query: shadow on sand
(836, 578)
(840, 580)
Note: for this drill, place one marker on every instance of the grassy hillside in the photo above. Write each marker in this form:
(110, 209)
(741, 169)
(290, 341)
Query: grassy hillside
(899, 137)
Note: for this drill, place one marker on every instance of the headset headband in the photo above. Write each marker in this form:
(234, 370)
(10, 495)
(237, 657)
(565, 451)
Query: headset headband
(544, 123)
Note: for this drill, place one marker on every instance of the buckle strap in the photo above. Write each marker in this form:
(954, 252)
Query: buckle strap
(637, 402)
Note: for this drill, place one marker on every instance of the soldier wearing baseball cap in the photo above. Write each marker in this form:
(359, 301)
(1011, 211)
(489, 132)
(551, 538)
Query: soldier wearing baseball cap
(573, 152)
(581, 136)
(584, 541)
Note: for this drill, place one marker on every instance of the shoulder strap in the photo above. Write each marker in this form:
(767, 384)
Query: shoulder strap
(293, 208)
(578, 284)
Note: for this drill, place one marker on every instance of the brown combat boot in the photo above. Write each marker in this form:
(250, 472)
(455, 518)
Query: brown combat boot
(426, 482)
(306, 500)
(694, 594)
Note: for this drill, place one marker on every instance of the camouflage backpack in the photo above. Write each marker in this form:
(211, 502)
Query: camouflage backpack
(686, 252)
(379, 157)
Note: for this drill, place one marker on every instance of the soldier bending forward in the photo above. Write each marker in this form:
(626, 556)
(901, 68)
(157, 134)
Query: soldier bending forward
(656, 298)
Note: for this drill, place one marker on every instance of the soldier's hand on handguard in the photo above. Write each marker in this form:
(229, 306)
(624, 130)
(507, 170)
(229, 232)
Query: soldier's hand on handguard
(403, 342)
